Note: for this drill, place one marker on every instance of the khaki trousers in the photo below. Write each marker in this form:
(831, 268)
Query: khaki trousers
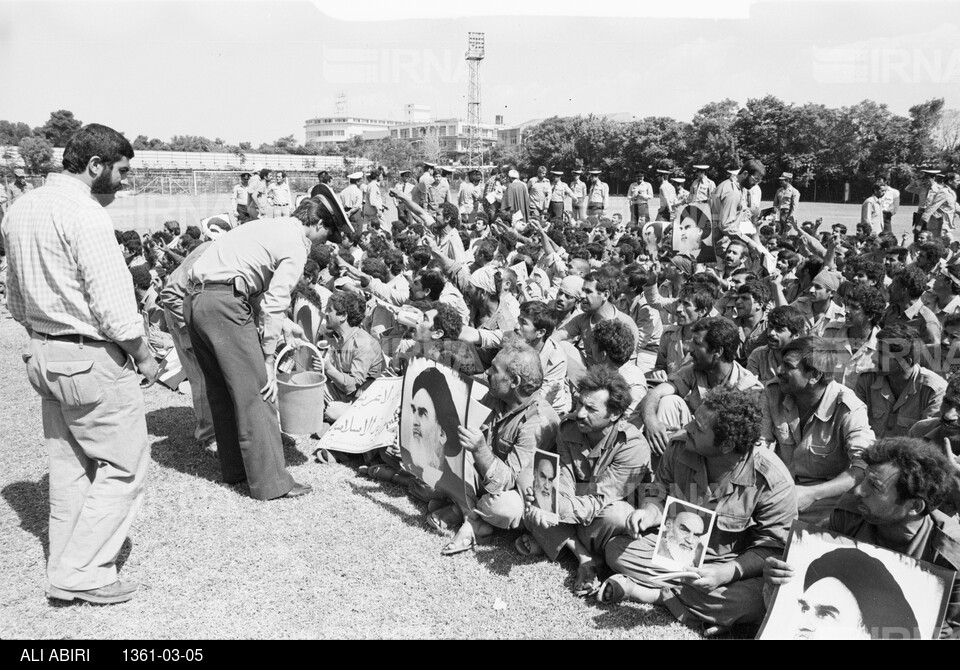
(96, 435)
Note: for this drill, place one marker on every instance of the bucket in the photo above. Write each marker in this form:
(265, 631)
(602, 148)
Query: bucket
(300, 397)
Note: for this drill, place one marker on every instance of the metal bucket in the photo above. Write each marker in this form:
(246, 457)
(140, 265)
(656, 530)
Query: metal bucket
(300, 397)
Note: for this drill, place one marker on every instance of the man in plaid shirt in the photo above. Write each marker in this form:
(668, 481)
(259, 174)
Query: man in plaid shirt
(69, 287)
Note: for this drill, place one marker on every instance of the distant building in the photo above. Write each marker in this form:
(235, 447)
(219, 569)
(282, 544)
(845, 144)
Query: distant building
(414, 113)
(451, 135)
(333, 129)
(513, 136)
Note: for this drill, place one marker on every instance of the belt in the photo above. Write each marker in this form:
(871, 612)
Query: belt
(213, 286)
(68, 337)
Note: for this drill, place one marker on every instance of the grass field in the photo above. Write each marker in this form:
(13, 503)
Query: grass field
(147, 212)
(355, 559)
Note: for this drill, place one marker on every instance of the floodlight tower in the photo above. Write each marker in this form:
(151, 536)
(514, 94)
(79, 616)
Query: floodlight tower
(474, 57)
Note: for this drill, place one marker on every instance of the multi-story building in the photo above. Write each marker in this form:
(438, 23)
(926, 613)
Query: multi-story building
(513, 136)
(451, 136)
(333, 129)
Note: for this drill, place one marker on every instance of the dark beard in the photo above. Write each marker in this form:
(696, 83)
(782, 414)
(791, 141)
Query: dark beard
(102, 189)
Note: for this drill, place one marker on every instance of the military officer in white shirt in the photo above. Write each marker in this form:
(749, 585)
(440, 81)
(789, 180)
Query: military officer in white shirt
(639, 194)
(702, 186)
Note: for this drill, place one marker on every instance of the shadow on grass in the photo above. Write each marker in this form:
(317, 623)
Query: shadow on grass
(406, 517)
(625, 617)
(177, 448)
(499, 556)
(31, 502)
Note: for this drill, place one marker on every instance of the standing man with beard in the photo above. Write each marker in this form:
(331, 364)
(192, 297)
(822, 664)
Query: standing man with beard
(516, 199)
(69, 287)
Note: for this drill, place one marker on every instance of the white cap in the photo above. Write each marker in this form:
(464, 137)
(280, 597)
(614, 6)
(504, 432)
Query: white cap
(513, 174)
(355, 175)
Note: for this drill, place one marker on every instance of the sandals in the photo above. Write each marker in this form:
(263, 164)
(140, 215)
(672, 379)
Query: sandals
(527, 546)
(587, 582)
(455, 547)
(445, 519)
(611, 591)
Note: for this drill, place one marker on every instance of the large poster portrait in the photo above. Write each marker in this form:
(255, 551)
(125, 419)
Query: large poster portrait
(693, 232)
(433, 406)
(848, 590)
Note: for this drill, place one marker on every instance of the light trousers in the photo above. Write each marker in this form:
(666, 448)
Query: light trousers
(96, 436)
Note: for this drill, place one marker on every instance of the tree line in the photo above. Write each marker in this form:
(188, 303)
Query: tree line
(825, 148)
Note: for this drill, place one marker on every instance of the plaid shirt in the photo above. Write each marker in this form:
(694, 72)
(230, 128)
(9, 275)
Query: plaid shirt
(67, 274)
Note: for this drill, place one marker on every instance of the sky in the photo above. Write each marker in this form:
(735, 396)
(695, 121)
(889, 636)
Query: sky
(255, 71)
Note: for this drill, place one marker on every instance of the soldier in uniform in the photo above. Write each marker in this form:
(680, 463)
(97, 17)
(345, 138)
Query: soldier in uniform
(352, 200)
(599, 195)
(785, 201)
(559, 192)
(682, 195)
(540, 189)
(668, 197)
(579, 190)
(639, 194)
(702, 186)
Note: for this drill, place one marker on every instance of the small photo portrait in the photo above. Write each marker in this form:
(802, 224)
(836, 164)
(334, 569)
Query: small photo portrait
(843, 589)
(684, 535)
(546, 479)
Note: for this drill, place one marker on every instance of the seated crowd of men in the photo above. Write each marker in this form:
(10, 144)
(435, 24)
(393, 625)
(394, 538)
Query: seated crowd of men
(803, 374)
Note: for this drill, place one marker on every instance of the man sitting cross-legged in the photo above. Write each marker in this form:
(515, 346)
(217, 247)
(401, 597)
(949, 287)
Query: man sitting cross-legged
(523, 421)
(603, 460)
(714, 464)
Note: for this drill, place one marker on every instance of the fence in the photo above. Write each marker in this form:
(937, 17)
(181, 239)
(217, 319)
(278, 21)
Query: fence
(195, 182)
(209, 160)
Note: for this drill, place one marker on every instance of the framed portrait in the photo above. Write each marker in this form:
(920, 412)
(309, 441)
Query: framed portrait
(843, 589)
(684, 535)
(434, 404)
(546, 473)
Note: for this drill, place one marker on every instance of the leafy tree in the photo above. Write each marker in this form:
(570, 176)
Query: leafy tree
(656, 140)
(711, 139)
(560, 142)
(924, 120)
(37, 154)
(946, 134)
(59, 127)
(11, 132)
(395, 154)
(500, 154)
(285, 144)
(190, 143)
